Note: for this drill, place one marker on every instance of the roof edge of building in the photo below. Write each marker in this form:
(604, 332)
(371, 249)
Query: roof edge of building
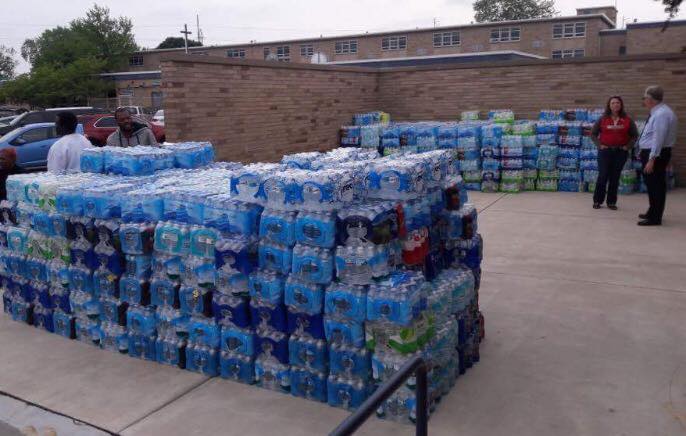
(597, 7)
(445, 56)
(655, 24)
(613, 32)
(185, 59)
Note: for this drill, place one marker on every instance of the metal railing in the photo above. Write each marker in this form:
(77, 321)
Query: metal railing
(416, 365)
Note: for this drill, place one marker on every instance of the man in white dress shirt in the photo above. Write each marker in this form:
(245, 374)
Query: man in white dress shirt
(65, 154)
(656, 142)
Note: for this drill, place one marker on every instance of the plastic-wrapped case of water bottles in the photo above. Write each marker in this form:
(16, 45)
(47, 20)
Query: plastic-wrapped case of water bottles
(554, 153)
(144, 160)
(317, 276)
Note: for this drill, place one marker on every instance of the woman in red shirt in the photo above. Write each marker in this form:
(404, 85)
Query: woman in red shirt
(614, 134)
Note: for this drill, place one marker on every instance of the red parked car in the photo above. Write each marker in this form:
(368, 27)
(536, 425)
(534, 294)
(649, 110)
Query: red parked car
(98, 127)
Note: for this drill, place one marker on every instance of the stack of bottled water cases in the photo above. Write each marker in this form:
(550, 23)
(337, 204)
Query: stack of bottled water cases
(588, 163)
(569, 142)
(629, 178)
(500, 150)
(365, 130)
(317, 276)
(564, 148)
(491, 149)
(519, 154)
(55, 245)
(469, 141)
(527, 130)
(546, 142)
(469, 115)
(144, 160)
(556, 153)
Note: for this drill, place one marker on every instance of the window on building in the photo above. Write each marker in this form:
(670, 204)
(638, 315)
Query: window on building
(307, 50)
(569, 30)
(267, 52)
(394, 43)
(568, 53)
(446, 39)
(622, 49)
(236, 53)
(283, 53)
(136, 60)
(505, 34)
(346, 47)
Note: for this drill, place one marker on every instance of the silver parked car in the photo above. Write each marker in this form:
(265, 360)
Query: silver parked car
(158, 118)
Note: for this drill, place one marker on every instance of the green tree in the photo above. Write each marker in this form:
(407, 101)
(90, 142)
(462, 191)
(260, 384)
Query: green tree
(57, 47)
(177, 42)
(7, 62)
(49, 87)
(503, 10)
(66, 61)
(672, 7)
(112, 37)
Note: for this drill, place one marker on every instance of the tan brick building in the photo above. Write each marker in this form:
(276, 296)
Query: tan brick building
(592, 32)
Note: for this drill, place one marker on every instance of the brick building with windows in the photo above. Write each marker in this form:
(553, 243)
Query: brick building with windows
(590, 33)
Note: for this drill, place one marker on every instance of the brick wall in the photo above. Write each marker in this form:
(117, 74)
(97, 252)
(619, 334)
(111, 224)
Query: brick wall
(611, 42)
(653, 40)
(259, 111)
(254, 110)
(526, 87)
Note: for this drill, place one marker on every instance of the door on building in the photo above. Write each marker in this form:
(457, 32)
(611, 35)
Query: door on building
(156, 97)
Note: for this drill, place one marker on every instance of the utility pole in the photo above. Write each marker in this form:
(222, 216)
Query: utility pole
(185, 36)
(435, 22)
(197, 27)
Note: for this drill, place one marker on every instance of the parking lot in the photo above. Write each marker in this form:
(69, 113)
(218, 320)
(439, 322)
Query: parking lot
(585, 335)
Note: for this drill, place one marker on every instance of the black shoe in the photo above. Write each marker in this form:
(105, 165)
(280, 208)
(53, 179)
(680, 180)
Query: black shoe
(649, 223)
(643, 216)
(612, 207)
(596, 205)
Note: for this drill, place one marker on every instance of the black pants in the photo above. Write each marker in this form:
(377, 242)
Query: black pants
(657, 183)
(610, 164)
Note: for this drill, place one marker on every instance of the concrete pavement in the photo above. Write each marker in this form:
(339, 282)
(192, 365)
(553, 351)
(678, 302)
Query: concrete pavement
(585, 334)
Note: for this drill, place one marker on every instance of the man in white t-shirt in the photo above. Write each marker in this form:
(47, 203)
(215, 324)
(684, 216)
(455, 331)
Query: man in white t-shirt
(65, 154)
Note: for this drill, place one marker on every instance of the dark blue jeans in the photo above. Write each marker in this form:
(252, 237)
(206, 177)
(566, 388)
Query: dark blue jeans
(610, 164)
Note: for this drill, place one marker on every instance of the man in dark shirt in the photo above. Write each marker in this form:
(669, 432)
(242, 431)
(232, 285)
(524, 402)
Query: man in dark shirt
(130, 133)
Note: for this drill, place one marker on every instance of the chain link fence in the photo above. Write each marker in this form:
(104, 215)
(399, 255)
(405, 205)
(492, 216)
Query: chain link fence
(150, 104)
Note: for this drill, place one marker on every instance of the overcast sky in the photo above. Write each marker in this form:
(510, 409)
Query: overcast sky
(231, 21)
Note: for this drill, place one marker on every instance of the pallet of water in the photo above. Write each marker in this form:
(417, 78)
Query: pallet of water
(556, 152)
(317, 276)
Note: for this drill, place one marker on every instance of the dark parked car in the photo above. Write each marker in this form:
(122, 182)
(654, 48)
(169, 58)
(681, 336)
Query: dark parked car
(45, 116)
(98, 127)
